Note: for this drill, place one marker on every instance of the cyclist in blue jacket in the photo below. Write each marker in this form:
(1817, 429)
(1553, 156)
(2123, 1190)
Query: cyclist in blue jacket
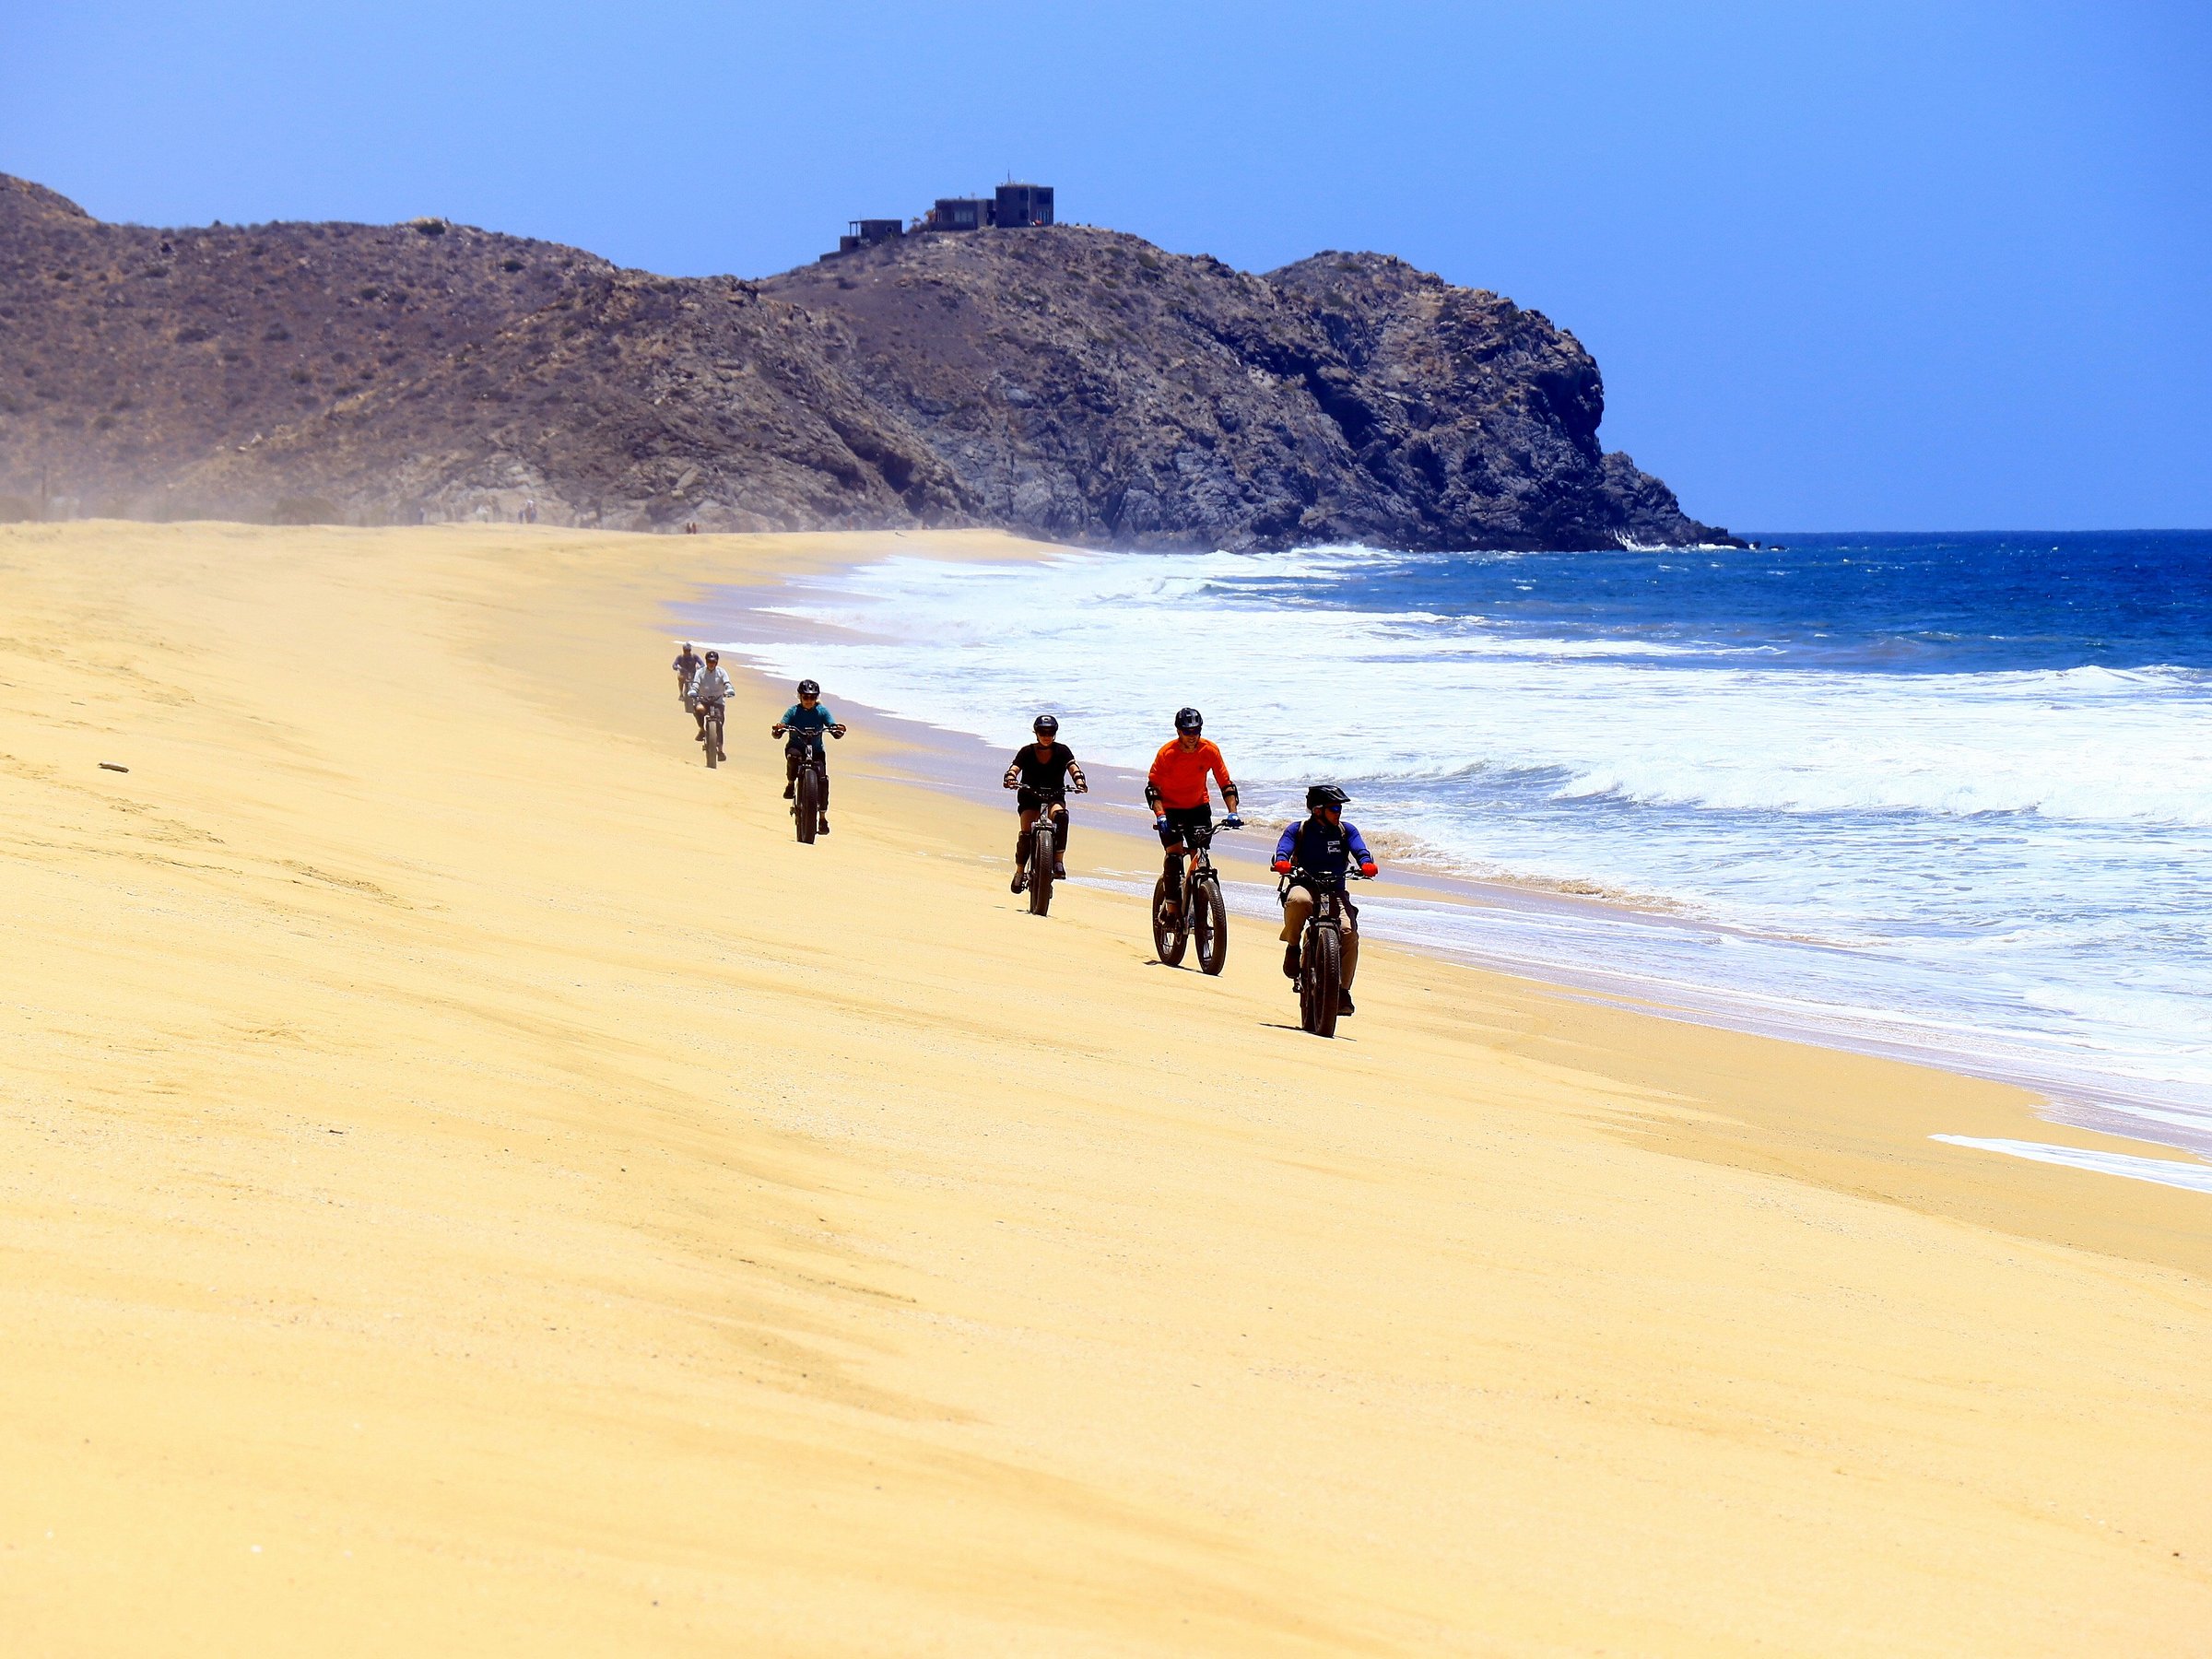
(1315, 855)
(801, 729)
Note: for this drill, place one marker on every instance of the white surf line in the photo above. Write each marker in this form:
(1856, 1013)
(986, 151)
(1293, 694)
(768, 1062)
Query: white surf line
(2194, 1177)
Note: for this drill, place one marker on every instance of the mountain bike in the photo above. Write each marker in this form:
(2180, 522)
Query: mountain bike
(1319, 953)
(806, 792)
(1044, 848)
(1202, 912)
(711, 732)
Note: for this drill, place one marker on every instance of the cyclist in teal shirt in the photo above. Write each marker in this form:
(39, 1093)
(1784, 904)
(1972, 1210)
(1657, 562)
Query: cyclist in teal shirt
(801, 729)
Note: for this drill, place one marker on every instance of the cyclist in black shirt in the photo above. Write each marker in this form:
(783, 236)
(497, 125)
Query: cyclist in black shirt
(1043, 770)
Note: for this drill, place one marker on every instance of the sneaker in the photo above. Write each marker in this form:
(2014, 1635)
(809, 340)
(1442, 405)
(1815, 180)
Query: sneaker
(823, 828)
(1291, 960)
(1059, 871)
(1021, 880)
(1343, 1004)
(787, 788)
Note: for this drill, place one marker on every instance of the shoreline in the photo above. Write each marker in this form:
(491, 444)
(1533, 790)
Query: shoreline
(1516, 927)
(474, 1183)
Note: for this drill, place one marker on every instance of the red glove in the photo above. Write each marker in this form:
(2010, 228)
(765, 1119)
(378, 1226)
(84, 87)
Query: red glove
(1282, 866)
(1367, 869)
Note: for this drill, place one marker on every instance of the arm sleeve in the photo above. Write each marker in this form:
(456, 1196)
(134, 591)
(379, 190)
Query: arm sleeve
(1221, 772)
(1359, 843)
(1282, 847)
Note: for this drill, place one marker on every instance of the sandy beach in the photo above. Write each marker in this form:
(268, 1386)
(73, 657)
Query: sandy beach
(469, 1183)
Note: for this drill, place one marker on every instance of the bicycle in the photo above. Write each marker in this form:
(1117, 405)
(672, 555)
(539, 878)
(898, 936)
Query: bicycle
(809, 784)
(1044, 848)
(1202, 911)
(1320, 952)
(709, 714)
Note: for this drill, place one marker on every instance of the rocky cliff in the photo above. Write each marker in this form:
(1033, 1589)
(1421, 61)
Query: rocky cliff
(1069, 382)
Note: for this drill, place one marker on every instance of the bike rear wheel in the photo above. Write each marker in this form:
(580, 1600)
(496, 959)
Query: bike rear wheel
(1167, 942)
(806, 803)
(1209, 922)
(1321, 981)
(1043, 850)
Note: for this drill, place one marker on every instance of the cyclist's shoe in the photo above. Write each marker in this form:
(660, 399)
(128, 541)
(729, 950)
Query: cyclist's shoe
(823, 827)
(787, 789)
(1021, 880)
(1059, 870)
(1291, 960)
(1343, 1004)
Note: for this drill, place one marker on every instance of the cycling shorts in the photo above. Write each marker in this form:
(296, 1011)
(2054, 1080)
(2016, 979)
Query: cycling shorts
(1184, 819)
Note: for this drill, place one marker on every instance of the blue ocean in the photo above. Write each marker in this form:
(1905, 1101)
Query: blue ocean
(1947, 796)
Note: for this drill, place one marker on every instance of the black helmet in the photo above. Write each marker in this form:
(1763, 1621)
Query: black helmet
(714, 656)
(1045, 726)
(808, 689)
(1189, 720)
(1326, 794)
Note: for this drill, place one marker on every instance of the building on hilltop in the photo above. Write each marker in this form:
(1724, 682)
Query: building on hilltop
(867, 233)
(1014, 206)
(1020, 206)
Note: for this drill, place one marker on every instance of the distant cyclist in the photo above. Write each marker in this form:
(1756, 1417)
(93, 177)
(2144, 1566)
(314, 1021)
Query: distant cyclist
(1176, 791)
(1042, 770)
(686, 667)
(1316, 854)
(801, 729)
(708, 689)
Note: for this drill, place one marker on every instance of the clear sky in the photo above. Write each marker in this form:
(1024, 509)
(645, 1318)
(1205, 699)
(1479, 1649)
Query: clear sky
(1845, 266)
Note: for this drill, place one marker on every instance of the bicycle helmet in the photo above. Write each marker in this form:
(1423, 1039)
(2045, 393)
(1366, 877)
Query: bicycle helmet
(808, 689)
(714, 656)
(1045, 726)
(1189, 720)
(1326, 794)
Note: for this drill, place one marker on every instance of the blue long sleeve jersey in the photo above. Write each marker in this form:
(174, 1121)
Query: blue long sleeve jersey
(1317, 847)
(804, 728)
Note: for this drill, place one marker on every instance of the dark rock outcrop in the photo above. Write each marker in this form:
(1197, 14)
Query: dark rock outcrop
(1067, 382)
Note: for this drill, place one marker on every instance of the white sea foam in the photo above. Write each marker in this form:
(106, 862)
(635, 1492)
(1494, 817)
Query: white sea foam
(2013, 859)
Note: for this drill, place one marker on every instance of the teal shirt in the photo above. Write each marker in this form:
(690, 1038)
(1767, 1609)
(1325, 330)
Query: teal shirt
(805, 726)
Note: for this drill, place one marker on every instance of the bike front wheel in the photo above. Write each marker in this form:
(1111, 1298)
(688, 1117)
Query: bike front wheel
(1043, 850)
(1209, 923)
(1168, 938)
(806, 803)
(713, 743)
(1321, 981)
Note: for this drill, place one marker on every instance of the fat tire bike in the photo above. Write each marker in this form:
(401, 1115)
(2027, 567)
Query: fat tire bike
(806, 792)
(1202, 913)
(1044, 849)
(1320, 952)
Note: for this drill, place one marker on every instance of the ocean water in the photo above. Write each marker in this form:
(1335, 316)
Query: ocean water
(1935, 795)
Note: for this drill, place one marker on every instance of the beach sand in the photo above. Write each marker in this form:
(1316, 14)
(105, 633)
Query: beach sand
(473, 1183)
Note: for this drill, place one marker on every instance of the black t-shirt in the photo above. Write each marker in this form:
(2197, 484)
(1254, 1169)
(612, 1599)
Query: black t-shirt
(1046, 772)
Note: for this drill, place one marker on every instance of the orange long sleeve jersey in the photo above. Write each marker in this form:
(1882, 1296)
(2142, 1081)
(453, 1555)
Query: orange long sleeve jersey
(1179, 774)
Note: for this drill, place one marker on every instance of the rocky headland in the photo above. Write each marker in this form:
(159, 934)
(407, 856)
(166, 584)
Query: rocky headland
(1062, 382)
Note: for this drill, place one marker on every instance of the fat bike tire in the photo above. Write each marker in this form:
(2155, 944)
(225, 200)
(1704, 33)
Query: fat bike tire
(806, 804)
(1043, 851)
(713, 743)
(1322, 981)
(1209, 922)
(1167, 943)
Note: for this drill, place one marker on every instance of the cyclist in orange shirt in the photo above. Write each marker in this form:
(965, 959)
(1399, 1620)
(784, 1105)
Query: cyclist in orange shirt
(1176, 791)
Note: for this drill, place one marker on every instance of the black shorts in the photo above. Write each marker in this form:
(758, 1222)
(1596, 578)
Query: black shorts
(1182, 819)
(1029, 800)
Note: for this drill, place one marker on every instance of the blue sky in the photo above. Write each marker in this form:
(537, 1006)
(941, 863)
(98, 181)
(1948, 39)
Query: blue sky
(1845, 266)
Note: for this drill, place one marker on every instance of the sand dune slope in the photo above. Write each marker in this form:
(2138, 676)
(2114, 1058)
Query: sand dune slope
(470, 1183)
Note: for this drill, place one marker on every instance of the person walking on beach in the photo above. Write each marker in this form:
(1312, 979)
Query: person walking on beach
(1316, 855)
(710, 689)
(801, 729)
(1044, 773)
(1176, 791)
